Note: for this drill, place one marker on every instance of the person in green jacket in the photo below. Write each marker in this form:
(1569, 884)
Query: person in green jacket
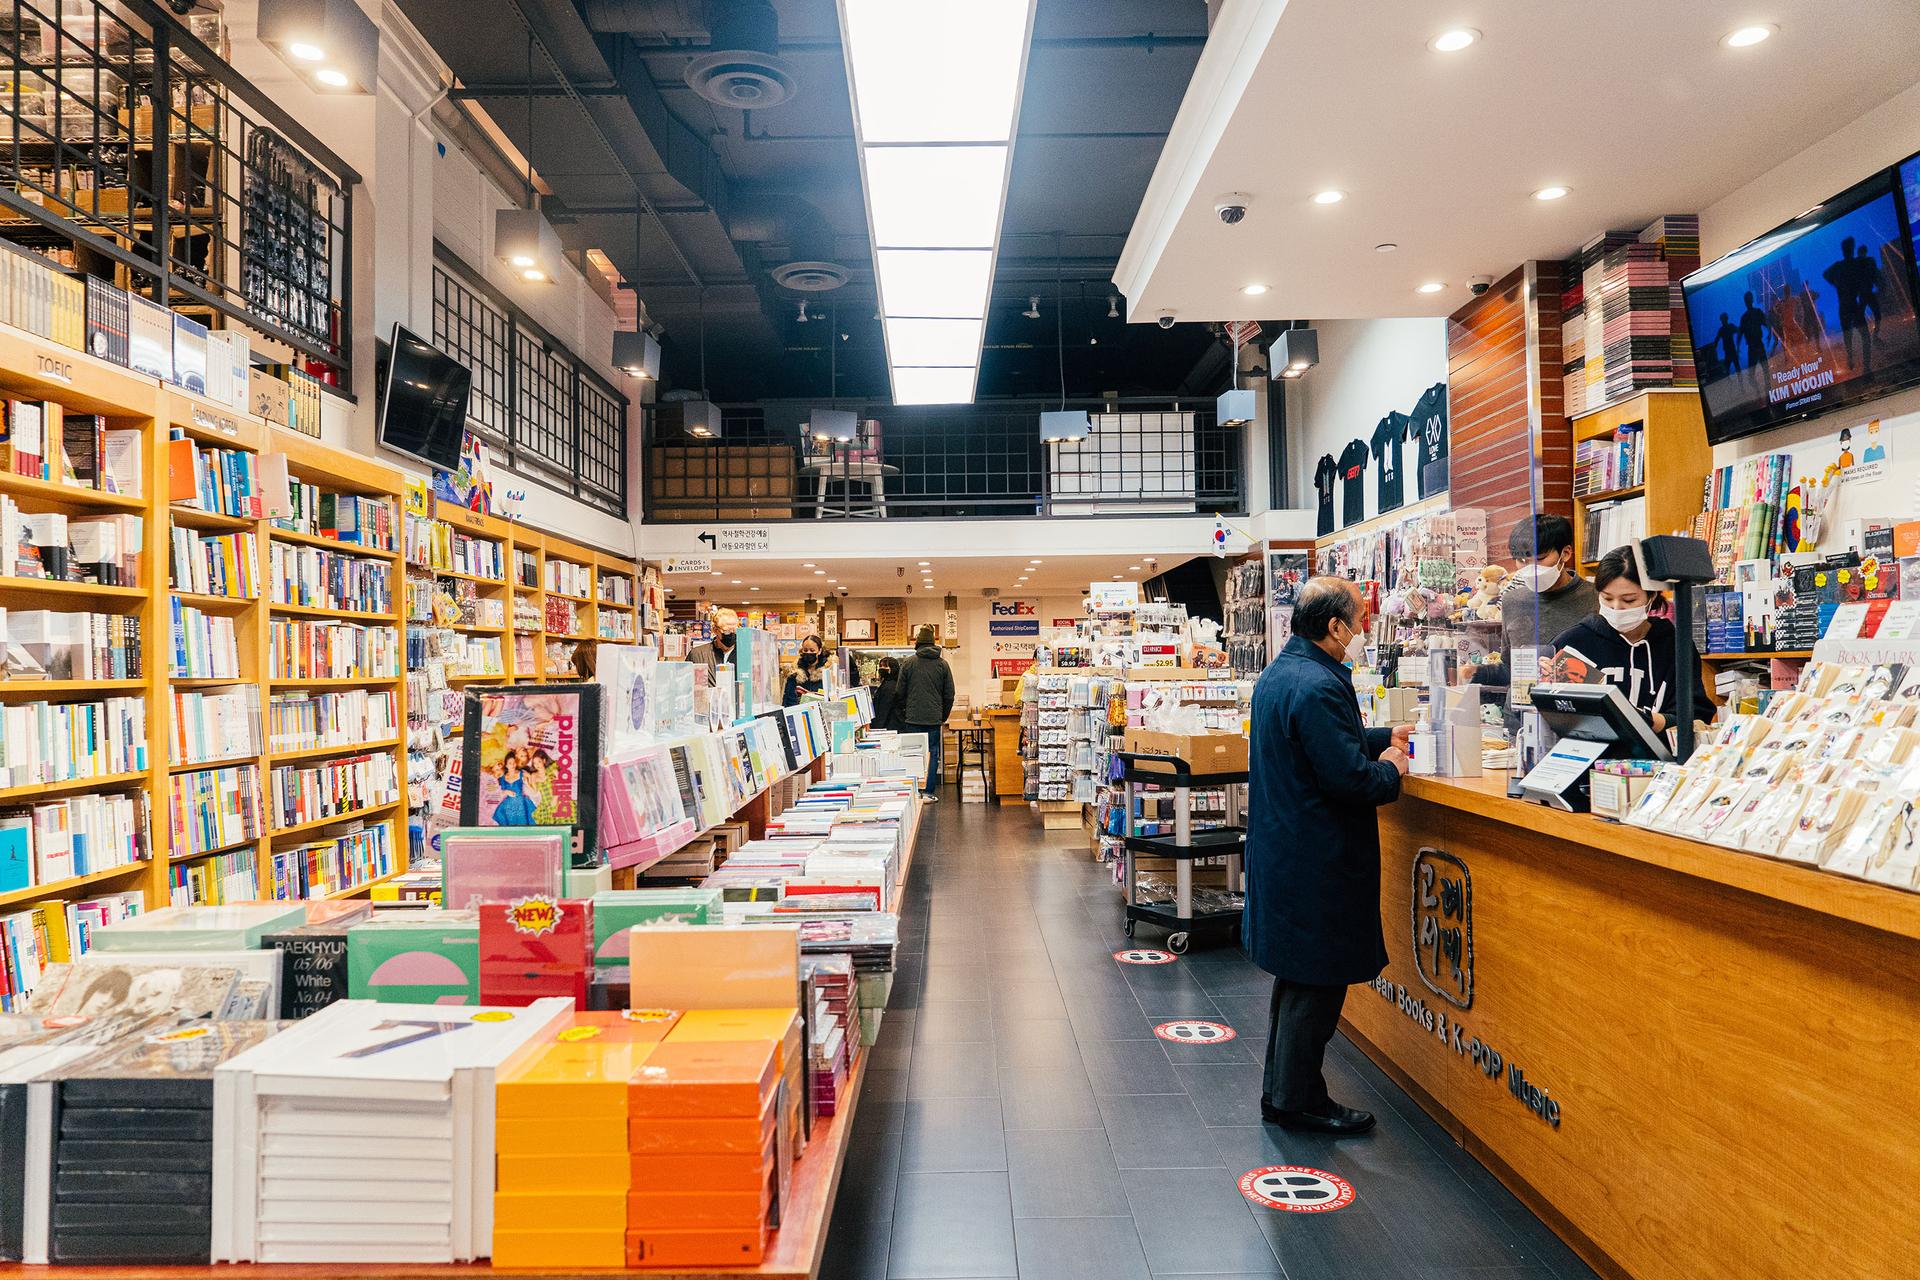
(925, 699)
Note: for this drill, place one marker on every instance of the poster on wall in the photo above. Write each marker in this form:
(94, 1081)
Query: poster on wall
(1287, 572)
(858, 631)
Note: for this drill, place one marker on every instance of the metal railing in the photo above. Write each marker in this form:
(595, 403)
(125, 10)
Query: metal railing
(126, 138)
(942, 462)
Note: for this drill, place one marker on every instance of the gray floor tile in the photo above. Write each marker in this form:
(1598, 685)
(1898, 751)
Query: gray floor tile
(1196, 1222)
(1336, 1245)
(1080, 1248)
(1061, 1173)
(1225, 1094)
(1128, 1066)
(946, 1135)
(954, 1022)
(952, 1071)
(1037, 1043)
(1047, 1098)
(952, 1225)
(1157, 1131)
(1027, 1001)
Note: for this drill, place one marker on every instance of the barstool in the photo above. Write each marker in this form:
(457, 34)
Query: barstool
(975, 749)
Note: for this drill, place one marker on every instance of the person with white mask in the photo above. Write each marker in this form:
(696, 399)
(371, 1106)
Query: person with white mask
(1546, 596)
(1316, 775)
(1626, 646)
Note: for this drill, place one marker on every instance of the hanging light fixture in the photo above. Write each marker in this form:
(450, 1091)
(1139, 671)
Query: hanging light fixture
(637, 354)
(1062, 425)
(1235, 406)
(1113, 306)
(332, 44)
(522, 238)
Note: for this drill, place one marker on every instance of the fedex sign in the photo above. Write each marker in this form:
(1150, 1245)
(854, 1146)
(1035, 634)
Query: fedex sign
(1014, 609)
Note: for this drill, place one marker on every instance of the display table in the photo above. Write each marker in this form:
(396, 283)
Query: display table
(1009, 771)
(1692, 1061)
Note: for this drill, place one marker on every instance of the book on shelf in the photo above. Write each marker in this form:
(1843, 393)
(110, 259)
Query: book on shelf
(347, 518)
(1614, 524)
(312, 790)
(331, 863)
(47, 644)
(48, 742)
(301, 721)
(216, 564)
(215, 725)
(121, 462)
(316, 577)
(212, 479)
(479, 557)
(205, 645)
(210, 809)
(315, 650)
(107, 318)
(105, 549)
(1613, 462)
(74, 836)
(569, 578)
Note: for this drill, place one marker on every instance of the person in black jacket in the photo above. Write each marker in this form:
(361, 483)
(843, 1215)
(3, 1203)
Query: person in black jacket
(1312, 916)
(808, 677)
(925, 700)
(886, 694)
(1631, 649)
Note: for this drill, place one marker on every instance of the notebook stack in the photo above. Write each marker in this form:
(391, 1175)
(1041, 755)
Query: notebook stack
(833, 1022)
(1635, 320)
(1593, 256)
(365, 1134)
(1678, 236)
(1573, 341)
(706, 1164)
(133, 1148)
(561, 1135)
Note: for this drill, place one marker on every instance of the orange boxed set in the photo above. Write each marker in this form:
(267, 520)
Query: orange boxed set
(725, 1078)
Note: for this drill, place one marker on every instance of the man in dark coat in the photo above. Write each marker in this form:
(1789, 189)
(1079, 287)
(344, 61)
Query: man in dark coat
(924, 700)
(1313, 848)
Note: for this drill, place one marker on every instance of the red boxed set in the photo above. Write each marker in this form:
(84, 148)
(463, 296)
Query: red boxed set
(535, 947)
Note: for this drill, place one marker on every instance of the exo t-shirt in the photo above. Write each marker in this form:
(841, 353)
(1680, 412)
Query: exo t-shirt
(1353, 482)
(1323, 474)
(1387, 438)
(1428, 430)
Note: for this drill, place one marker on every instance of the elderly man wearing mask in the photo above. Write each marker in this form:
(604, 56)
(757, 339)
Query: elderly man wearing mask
(717, 652)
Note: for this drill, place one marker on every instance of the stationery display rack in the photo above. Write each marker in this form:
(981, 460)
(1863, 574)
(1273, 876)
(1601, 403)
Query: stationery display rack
(1186, 847)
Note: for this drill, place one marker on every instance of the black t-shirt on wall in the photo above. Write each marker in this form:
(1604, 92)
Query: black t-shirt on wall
(1428, 430)
(1353, 482)
(1323, 474)
(1387, 438)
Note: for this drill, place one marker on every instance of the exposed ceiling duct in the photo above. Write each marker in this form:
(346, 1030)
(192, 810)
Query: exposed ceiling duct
(743, 69)
(807, 264)
(676, 18)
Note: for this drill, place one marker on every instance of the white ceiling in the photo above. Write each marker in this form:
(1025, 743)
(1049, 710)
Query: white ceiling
(1633, 104)
(784, 580)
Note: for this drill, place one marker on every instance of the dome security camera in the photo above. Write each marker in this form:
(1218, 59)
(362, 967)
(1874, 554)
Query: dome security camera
(1478, 285)
(1166, 320)
(1231, 208)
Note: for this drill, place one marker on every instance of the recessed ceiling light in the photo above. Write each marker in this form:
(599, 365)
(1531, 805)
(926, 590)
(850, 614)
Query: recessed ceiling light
(332, 78)
(1431, 286)
(1033, 562)
(718, 574)
(833, 582)
(533, 273)
(1453, 41)
(736, 582)
(807, 565)
(1116, 577)
(1133, 568)
(1253, 290)
(1550, 193)
(1329, 197)
(1387, 247)
(306, 52)
(925, 563)
(1747, 37)
(819, 573)
(753, 588)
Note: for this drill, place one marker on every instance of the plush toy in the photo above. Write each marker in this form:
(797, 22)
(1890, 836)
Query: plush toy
(1484, 603)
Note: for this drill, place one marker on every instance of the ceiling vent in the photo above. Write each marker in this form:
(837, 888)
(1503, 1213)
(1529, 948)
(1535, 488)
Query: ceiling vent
(811, 277)
(743, 69)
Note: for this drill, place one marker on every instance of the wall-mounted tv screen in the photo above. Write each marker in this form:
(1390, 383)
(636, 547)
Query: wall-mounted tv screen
(1815, 315)
(423, 411)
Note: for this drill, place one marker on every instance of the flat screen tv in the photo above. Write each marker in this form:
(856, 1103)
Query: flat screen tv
(1813, 316)
(423, 411)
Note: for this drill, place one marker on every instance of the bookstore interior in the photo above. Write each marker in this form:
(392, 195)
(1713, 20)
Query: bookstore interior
(504, 861)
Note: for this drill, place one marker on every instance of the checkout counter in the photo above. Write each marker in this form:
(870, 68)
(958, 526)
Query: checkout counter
(1694, 1062)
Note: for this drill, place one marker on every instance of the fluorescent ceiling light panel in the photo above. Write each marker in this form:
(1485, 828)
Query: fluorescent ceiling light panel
(935, 70)
(915, 385)
(935, 197)
(944, 283)
(933, 342)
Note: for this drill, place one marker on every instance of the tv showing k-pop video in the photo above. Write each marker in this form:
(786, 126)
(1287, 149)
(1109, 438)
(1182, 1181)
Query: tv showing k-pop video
(1812, 316)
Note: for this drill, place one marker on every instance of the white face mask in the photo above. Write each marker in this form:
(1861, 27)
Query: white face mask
(1356, 651)
(1624, 619)
(1537, 576)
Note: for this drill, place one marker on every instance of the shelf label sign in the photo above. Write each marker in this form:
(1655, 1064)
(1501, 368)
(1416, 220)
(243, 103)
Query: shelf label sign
(54, 370)
(689, 564)
(1295, 1188)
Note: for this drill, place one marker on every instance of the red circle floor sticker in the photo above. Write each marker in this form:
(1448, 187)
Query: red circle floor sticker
(1194, 1031)
(1296, 1188)
(1143, 955)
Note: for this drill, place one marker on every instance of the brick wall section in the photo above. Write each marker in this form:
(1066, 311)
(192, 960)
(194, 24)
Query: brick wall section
(1497, 463)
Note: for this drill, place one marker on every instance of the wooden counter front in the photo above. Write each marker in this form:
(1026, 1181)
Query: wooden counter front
(1696, 1063)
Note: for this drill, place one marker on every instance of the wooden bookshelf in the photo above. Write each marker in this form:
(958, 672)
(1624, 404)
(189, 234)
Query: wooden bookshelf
(1676, 463)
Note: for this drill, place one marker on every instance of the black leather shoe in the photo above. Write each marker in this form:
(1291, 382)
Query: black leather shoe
(1337, 1120)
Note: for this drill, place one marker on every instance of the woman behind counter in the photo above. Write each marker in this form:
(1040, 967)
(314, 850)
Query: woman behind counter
(886, 694)
(1629, 648)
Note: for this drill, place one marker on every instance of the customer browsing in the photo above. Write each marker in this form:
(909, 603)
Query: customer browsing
(925, 700)
(1313, 848)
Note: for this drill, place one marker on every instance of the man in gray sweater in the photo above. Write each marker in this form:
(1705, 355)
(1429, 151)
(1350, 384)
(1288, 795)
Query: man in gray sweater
(1545, 595)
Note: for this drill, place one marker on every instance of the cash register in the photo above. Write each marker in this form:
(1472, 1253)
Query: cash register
(1588, 722)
